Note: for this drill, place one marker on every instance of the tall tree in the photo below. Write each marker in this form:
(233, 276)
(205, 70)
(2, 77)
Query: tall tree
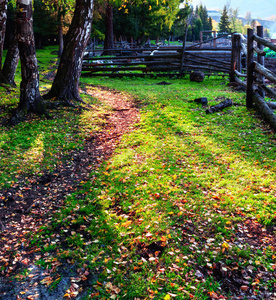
(248, 17)
(11, 62)
(30, 98)
(139, 18)
(66, 83)
(202, 13)
(210, 23)
(195, 27)
(180, 22)
(224, 23)
(12, 57)
(3, 21)
(109, 38)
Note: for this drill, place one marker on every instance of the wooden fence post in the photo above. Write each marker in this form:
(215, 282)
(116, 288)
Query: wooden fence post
(260, 33)
(235, 56)
(250, 68)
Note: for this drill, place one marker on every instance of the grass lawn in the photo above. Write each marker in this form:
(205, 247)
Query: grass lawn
(170, 214)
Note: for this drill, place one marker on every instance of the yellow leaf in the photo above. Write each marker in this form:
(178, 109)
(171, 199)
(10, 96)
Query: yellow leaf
(167, 297)
(225, 245)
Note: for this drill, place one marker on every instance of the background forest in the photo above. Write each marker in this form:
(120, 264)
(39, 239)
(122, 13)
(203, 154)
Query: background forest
(134, 22)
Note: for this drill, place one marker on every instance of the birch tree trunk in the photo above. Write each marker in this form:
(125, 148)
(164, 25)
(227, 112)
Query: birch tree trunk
(11, 62)
(30, 99)
(3, 21)
(66, 83)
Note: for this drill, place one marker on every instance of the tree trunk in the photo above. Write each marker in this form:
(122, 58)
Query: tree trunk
(60, 39)
(60, 34)
(30, 99)
(66, 82)
(11, 62)
(3, 21)
(108, 41)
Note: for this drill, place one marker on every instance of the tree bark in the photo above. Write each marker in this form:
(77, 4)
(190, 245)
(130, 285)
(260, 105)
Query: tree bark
(108, 41)
(60, 33)
(66, 83)
(11, 62)
(30, 99)
(3, 21)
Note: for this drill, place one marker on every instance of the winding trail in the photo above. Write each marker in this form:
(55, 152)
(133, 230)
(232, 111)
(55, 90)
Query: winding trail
(27, 206)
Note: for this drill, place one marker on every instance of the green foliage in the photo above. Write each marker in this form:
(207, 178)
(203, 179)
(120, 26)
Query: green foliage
(178, 27)
(269, 52)
(49, 15)
(139, 20)
(203, 15)
(45, 23)
(200, 21)
(224, 23)
(194, 29)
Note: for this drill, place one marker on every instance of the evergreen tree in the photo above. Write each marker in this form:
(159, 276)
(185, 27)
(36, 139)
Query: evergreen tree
(224, 23)
(203, 15)
(180, 21)
(210, 23)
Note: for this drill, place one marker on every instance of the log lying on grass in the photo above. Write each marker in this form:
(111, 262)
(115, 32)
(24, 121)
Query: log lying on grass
(202, 100)
(220, 106)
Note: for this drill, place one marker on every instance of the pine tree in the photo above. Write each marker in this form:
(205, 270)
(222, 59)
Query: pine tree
(202, 13)
(224, 23)
(210, 23)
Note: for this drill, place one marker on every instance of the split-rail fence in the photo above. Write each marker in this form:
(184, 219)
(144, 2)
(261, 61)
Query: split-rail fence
(161, 61)
(256, 78)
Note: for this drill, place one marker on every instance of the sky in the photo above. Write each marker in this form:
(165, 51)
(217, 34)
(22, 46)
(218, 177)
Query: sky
(260, 9)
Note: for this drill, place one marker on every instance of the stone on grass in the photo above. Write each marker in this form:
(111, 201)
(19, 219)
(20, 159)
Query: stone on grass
(197, 76)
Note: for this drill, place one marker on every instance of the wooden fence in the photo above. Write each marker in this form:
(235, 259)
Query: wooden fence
(255, 72)
(160, 61)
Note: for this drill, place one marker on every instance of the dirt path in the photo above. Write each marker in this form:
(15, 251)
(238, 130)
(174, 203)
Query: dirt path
(27, 206)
